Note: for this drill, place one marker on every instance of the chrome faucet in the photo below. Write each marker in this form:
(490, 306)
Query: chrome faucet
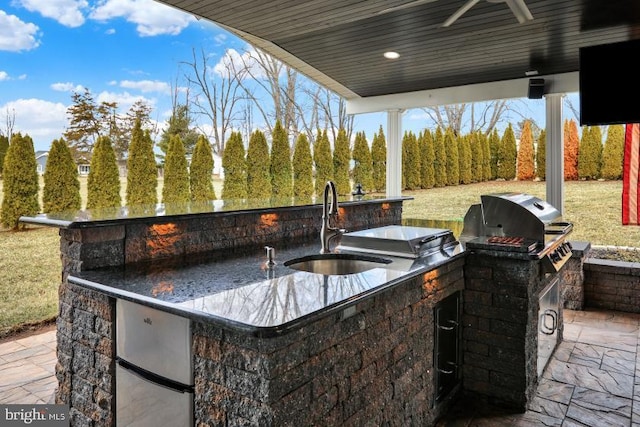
(327, 232)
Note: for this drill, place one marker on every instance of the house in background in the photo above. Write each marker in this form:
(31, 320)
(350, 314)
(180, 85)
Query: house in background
(41, 161)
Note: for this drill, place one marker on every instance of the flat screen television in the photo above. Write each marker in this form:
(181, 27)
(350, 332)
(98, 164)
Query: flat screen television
(609, 84)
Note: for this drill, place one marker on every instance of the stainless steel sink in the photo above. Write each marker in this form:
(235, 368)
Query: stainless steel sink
(336, 263)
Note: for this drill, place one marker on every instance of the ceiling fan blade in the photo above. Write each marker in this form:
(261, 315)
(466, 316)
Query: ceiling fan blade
(458, 13)
(520, 10)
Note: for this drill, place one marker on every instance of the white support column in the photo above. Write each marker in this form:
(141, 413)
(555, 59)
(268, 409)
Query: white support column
(394, 153)
(555, 151)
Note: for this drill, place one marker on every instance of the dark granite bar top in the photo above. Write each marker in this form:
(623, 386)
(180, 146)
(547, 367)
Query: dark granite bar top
(237, 291)
(129, 214)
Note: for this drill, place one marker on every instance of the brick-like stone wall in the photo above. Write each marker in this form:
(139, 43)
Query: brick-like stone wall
(158, 237)
(85, 324)
(374, 367)
(572, 277)
(86, 356)
(612, 285)
(500, 327)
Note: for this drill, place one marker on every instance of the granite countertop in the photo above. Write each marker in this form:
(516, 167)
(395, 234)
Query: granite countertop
(128, 214)
(237, 291)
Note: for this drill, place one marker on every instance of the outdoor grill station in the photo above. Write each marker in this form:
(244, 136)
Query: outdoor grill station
(186, 318)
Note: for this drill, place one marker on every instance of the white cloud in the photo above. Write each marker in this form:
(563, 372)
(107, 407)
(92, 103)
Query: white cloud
(152, 18)
(235, 60)
(4, 76)
(110, 31)
(124, 100)
(16, 35)
(220, 38)
(22, 77)
(42, 120)
(67, 87)
(147, 86)
(66, 12)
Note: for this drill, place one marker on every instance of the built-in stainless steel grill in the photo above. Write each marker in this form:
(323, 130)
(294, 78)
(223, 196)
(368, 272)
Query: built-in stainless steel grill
(518, 222)
(399, 241)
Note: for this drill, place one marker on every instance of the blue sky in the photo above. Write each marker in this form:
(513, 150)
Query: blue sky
(121, 50)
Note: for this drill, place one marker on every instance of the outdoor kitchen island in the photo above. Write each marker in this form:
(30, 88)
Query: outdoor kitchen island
(269, 346)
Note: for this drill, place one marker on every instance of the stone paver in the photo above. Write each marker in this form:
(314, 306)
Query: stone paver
(593, 378)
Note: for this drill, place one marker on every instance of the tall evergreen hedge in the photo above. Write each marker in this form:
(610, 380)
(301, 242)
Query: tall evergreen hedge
(613, 153)
(452, 157)
(258, 163)
(507, 155)
(176, 174)
(410, 162)
(571, 147)
(235, 169)
(590, 153)
(341, 160)
(61, 184)
(281, 169)
(302, 169)
(379, 159)
(464, 159)
(526, 154)
(142, 173)
(486, 156)
(200, 171)
(439, 162)
(4, 146)
(541, 156)
(494, 149)
(323, 161)
(427, 173)
(477, 157)
(20, 182)
(103, 183)
(363, 164)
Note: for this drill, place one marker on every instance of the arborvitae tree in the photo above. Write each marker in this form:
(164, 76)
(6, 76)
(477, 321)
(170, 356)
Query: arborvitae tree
(235, 168)
(477, 157)
(200, 172)
(180, 123)
(486, 156)
(341, 160)
(103, 183)
(363, 164)
(176, 173)
(526, 155)
(507, 155)
(613, 153)
(4, 146)
(494, 149)
(464, 159)
(142, 173)
(439, 159)
(379, 159)
(571, 143)
(61, 185)
(590, 153)
(20, 180)
(302, 169)
(541, 156)
(323, 161)
(410, 162)
(281, 171)
(452, 160)
(427, 173)
(258, 162)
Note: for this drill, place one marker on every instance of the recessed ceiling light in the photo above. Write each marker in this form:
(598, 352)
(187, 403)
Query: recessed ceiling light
(391, 55)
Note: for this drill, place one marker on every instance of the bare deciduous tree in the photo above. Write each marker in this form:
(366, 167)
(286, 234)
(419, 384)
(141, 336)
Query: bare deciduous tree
(481, 116)
(10, 122)
(215, 98)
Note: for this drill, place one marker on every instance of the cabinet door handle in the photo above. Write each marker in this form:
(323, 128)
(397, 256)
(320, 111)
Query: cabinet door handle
(449, 328)
(543, 320)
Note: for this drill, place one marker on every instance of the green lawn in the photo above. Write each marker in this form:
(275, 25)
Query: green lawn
(30, 261)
